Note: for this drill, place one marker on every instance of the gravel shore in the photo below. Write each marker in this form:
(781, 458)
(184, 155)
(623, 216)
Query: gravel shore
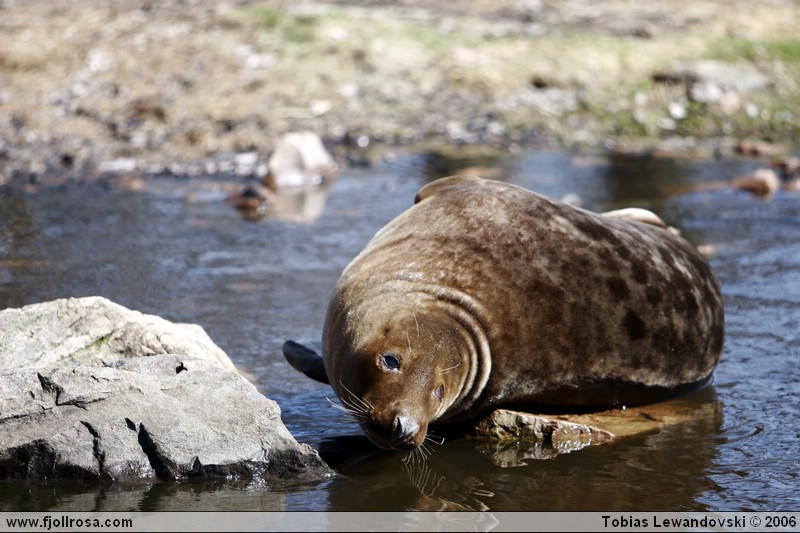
(89, 87)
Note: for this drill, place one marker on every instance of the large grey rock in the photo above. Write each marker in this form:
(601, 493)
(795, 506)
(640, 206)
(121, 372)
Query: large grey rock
(165, 416)
(94, 331)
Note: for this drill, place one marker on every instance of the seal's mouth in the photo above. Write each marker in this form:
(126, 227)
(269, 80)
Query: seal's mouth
(396, 445)
(402, 433)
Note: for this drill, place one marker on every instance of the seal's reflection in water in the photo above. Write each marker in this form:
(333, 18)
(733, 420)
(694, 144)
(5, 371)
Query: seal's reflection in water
(376, 480)
(302, 203)
(661, 470)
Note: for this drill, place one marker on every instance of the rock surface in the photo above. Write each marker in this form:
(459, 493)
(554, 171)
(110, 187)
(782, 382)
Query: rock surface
(508, 437)
(95, 331)
(169, 417)
(92, 390)
(561, 435)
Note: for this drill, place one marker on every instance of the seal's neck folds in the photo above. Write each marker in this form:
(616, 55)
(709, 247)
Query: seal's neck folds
(459, 346)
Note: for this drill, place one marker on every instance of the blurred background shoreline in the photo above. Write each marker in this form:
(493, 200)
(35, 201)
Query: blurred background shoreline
(95, 87)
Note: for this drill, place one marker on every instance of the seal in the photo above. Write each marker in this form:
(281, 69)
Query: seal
(484, 294)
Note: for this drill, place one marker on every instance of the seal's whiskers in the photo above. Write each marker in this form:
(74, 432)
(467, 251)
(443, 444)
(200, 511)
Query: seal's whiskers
(423, 478)
(420, 476)
(434, 438)
(350, 413)
(355, 408)
(416, 455)
(423, 451)
(355, 402)
(451, 368)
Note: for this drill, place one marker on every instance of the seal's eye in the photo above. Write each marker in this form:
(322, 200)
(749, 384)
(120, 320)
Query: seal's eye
(390, 361)
(439, 392)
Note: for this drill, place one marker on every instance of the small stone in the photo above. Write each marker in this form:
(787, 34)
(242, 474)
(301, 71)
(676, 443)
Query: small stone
(762, 182)
(677, 110)
(246, 159)
(666, 123)
(705, 93)
(123, 164)
(729, 103)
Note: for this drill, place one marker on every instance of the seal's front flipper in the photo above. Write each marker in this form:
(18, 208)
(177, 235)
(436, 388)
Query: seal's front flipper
(305, 361)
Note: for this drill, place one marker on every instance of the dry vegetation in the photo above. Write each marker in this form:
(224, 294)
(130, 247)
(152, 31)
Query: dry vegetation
(82, 82)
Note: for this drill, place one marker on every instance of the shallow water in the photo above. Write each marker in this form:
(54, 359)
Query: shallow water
(176, 250)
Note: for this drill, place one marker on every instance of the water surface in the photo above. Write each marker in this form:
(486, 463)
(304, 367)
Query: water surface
(176, 250)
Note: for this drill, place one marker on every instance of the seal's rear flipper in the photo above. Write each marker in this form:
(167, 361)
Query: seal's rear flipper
(636, 214)
(643, 216)
(305, 361)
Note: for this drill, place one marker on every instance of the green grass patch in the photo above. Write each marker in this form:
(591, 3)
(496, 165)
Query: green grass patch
(787, 51)
(267, 17)
(737, 49)
(300, 29)
(295, 29)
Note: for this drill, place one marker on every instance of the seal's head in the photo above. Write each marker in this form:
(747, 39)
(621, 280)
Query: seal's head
(397, 377)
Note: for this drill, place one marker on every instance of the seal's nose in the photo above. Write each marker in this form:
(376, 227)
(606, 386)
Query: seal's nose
(404, 429)
(400, 431)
